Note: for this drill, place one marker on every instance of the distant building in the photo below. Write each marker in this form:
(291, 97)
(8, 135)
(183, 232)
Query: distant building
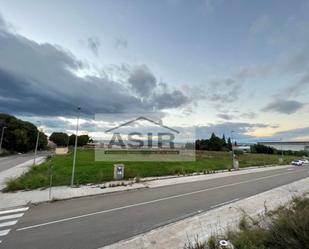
(293, 146)
(245, 148)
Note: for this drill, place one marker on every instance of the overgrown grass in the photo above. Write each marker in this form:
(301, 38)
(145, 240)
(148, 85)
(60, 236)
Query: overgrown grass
(90, 171)
(285, 228)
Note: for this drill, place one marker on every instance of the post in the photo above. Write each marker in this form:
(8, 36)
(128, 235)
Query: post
(232, 149)
(2, 134)
(50, 180)
(281, 150)
(36, 145)
(75, 149)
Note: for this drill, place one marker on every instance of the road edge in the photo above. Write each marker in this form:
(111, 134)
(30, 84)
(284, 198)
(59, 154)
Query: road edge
(177, 234)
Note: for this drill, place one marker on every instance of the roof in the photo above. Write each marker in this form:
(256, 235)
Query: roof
(142, 118)
(287, 142)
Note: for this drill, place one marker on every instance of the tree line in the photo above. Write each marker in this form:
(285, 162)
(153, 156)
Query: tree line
(19, 135)
(263, 149)
(63, 139)
(214, 143)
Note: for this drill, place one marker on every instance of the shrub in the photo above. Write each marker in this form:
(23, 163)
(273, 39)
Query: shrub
(137, 179)
(238, 152)
(12, 184)
(286, 227)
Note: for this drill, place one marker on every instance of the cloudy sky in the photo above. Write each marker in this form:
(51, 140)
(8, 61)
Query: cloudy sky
(227, 65)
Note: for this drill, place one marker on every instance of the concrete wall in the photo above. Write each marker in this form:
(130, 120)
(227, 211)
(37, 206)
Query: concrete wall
(62, 151)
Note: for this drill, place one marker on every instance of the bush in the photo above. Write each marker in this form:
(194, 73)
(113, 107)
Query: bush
(12, 184)
(238, 152)
(285, 228)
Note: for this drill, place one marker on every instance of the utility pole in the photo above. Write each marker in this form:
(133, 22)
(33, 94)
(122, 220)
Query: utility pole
(36, 144)
(75, 148)
(2, 134)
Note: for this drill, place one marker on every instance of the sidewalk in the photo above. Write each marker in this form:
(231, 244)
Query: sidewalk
(18, 170)
(21, 198)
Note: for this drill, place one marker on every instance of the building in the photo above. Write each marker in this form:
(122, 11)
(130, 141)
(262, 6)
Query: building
(292, 146)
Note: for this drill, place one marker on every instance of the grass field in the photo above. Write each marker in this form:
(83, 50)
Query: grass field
(90, 171)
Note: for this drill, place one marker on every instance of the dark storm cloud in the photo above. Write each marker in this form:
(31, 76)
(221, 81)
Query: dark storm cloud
(284, 106)
(169, 100)
(142, 81)
(39, 79)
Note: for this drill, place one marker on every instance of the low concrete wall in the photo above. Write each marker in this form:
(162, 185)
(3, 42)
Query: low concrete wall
(62, 151)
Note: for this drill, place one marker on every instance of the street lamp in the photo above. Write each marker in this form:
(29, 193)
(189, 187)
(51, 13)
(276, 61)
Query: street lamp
(2, 133)
(75, 147)
(281, 150)
(232, 148)
(37, 142)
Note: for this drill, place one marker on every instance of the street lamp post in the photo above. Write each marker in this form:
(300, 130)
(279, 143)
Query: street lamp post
(232, 148)
(2, 134)
(36, 144)
(75, 149)
(281, 150)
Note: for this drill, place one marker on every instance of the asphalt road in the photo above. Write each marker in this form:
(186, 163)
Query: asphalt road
(93, 222)
(11, 161)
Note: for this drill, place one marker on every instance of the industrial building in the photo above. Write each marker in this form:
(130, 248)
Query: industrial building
(292, 146)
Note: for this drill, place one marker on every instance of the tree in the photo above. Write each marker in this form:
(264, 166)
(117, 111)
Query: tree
(81, 140)
(59, 138)
(72, 140)
(215, 143)
(42, 141)
(260, 148)
(229, 144)
(19, 135)
(224, 141)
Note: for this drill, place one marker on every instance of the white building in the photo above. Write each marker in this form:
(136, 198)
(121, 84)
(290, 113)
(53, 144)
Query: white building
(293, 146)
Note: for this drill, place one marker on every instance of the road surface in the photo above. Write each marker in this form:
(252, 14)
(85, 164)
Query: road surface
(93, 222)
(11, 161)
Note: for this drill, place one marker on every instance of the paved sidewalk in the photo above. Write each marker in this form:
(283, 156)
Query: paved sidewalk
(18, 170)
(165, 181)
(21, 198)
(176, 235)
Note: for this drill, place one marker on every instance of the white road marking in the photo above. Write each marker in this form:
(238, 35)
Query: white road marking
(224, 203)
(8, 223)
(152, 201)
(9, 219)
(17, 210)
(4, 232)
(12, 216)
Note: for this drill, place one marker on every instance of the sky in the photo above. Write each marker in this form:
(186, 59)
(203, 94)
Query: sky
(221, 65)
